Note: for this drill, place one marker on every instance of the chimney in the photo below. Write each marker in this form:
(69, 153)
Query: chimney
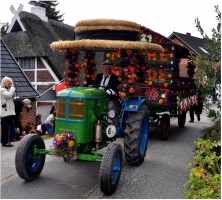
(189, 34)
(40, 12)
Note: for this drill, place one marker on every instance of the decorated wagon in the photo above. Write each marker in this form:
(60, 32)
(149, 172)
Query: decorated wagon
(151, 92)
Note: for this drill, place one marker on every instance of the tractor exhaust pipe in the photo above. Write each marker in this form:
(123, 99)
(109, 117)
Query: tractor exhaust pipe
(97, 131)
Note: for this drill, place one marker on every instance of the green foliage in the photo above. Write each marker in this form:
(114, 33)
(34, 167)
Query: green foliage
(4, 28)
(214, 132)
(205, 179)
(206, 63)
(51, 12)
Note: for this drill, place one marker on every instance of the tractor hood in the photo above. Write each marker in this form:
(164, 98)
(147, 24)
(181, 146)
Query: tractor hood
(82, 93)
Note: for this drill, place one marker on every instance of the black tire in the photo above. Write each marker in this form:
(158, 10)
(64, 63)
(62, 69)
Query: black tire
(182, 119)
(136, 136)
(165, 127)
(110, 169)
(27, 167)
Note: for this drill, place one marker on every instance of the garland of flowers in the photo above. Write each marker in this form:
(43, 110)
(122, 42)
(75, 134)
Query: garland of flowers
(73, 68)
(63, 147)
(90, 68)
(124, 69)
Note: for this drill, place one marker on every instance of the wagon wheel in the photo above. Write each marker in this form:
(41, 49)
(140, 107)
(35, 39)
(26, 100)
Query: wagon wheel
(28, 165)
(164, 127)
(110, 169)
(182, 119)
(136, 136)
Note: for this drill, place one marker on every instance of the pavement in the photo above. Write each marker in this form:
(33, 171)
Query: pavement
(162, 174)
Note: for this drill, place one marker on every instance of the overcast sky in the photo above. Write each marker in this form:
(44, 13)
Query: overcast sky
(162, 16)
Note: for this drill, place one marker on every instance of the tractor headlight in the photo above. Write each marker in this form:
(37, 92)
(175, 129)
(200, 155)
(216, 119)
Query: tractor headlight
(111, 114)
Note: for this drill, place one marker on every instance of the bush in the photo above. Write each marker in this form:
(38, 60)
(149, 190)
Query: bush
(204, 179)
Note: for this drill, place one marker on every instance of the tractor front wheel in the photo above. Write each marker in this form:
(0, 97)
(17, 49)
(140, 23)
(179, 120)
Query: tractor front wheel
(110, 169)
(136, 136)
(28, 165)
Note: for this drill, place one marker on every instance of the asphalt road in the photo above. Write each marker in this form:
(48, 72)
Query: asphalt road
(161, 176)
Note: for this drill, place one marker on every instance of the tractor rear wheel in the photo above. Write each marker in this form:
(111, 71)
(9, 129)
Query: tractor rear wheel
(164, 127)
(136, 136)
(28, 165)
(110, 169)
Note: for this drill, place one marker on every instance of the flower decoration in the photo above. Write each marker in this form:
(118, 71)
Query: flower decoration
(73, 68)
(63, 147)
(90, 68)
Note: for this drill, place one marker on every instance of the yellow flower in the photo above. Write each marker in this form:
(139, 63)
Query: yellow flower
(198, 173)
(59, 138)
(71, 143)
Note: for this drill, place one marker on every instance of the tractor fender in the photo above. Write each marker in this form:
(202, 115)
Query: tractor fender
(133, 104)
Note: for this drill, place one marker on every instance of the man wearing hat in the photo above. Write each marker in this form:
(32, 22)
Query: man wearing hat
(109, 81)
(19, 104)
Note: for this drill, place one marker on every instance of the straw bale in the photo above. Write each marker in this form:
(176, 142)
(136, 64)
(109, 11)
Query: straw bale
(107, 23)
(106, 44)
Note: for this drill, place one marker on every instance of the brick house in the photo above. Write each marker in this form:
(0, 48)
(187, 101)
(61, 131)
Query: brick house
(194, 45)
(28, 37)
(24, 89)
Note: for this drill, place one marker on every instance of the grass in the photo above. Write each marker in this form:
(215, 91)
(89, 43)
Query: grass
(45, 137)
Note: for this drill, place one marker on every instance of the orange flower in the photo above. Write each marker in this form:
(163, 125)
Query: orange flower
(131, 90)
(69, 79)
(130, 81)
(87, 76)
(117, 73)
(129, 76)
(108, 55)
(120, 79)
(169, 75)
(122, 94)
(85, 83)
(160, 101)
(171, 55)
(65, 74)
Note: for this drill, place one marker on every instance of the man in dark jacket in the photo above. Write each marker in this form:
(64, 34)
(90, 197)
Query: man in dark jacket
(109, 81)
(19, 104)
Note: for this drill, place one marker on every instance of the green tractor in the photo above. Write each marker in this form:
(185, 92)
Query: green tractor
(83, 127)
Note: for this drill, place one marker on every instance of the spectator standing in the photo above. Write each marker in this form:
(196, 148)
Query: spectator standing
(19, 104)
(7, 92)
(197, 107)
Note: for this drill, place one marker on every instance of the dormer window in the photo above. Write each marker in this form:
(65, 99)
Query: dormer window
(27, 63)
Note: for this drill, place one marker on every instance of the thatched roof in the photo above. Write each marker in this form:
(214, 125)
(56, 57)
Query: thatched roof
(37, 39)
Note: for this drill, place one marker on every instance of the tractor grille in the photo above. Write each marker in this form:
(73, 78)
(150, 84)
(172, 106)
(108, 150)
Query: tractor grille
(61, 108)
(76, 109)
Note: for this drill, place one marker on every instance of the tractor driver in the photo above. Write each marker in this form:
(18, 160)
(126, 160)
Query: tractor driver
(109, 81)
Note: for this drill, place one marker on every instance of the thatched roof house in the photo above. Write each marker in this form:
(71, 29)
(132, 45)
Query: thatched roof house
(35, 41)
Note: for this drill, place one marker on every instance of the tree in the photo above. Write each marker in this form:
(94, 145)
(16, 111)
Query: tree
(206, 63)
(4, 28)
(51, 12)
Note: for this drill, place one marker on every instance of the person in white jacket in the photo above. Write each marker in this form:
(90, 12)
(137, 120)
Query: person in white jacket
(49, 122)
(7, 91)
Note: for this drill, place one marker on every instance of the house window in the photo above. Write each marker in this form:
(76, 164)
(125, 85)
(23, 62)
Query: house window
(27, 63)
